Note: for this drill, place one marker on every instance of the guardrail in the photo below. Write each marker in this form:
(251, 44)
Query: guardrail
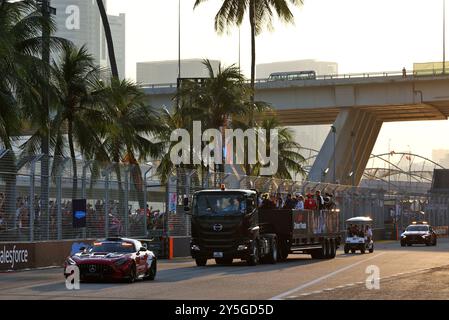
(364, 75)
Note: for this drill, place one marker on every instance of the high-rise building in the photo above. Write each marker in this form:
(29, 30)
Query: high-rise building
(264, 70)
(159, 72)
(79, 21)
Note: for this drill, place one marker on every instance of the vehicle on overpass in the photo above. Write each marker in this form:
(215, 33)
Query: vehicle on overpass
(358, 236)
(292, 75)
(227, 224)
(419, 233)
(114, 259)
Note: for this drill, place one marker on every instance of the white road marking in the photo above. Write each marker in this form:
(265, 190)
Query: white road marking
(308, 284)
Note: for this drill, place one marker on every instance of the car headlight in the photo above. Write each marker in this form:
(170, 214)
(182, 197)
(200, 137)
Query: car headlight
(195, 247)
(70, 261)
(121, 261)
(242, 247)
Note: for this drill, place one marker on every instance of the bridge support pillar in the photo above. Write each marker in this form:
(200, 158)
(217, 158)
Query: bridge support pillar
(355, 135)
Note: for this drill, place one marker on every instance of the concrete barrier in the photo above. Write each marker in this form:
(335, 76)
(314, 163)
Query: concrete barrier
(29, 255)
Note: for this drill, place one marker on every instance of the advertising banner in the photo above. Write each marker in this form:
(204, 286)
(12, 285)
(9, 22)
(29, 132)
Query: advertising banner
(79, 210)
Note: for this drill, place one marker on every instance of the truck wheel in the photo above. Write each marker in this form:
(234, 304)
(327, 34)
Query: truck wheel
(273, 256)
(282, 251)
(346, 249)
(333, 249)
(201, 262)
(371, 250)
(254, 256)
(325, 249)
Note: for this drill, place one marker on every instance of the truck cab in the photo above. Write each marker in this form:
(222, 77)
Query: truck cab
(224, 226)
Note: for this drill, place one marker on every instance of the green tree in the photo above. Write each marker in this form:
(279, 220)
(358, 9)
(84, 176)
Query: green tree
(260, 13)
(289, 159)
(21, 81)
(127, 128)
(213, 101)
(75, 77)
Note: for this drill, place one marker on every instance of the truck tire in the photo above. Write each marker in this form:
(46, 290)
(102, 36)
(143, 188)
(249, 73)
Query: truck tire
(200, 262)
(282, 251)
(273, 256)
(346, 249)
(328, 249)
(253, 258)
(333, 249)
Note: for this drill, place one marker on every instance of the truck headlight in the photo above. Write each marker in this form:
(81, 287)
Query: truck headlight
(195, 247)
(70, 261)
(242, 247)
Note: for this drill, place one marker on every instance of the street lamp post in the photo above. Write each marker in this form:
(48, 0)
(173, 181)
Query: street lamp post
(150, 164)
(353, 158)
(444, 36)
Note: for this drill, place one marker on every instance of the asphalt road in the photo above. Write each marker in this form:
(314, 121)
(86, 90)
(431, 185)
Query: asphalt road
(300, 277)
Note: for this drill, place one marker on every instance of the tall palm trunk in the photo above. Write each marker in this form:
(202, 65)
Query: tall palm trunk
(252, 20)
(73, 156)
(108, 35)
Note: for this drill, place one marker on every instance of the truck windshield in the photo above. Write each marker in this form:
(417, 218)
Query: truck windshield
(219, 205)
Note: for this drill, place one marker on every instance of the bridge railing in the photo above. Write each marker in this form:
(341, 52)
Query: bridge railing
(364, 75)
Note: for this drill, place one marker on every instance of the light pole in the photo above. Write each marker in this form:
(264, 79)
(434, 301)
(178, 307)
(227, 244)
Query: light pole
(444, 36)
(150, 164)
(334, 131)
(353, 158)
(179, 39)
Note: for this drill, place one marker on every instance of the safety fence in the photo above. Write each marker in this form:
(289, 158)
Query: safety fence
(36, 195)
(390, 210)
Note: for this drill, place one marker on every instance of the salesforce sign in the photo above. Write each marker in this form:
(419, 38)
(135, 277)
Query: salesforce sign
(13, 257)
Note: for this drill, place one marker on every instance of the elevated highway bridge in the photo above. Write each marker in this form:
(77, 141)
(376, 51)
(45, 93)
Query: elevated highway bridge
(356, 104)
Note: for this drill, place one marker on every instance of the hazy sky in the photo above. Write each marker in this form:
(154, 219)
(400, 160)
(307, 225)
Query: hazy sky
(360, 35)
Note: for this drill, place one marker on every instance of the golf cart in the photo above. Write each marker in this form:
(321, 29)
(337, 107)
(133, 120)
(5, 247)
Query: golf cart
(356, 237)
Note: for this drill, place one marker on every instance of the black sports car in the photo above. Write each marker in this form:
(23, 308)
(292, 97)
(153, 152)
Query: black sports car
(418, 233)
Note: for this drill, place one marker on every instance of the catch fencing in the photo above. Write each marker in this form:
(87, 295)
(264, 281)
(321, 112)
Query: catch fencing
(36, 195)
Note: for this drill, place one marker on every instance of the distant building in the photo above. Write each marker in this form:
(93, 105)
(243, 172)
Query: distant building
(159, 72)
(320, 67)
(118, 31)
(441, 156)
(79, 21)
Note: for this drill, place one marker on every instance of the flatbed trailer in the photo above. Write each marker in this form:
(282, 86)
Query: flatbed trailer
(314, 232)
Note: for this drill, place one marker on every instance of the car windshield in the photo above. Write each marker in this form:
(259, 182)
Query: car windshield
(219, 205)
(417, 228)
(112, 247)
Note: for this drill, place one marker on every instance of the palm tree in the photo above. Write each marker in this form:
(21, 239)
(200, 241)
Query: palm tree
(289, 159)
(127, 128)
(22, 73)
(213, 101)
(75, 77)
(260, 13)
(109, 40)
